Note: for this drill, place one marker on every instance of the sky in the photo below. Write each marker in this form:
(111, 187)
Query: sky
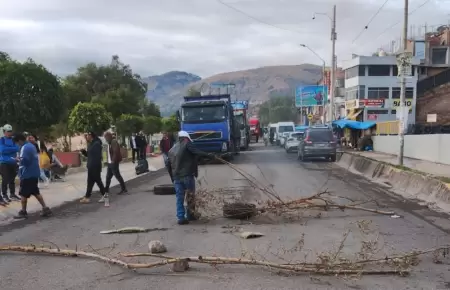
(203, 37)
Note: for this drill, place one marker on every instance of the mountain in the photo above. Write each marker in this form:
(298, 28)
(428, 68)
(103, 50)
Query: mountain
(256, 85)
(160, 86)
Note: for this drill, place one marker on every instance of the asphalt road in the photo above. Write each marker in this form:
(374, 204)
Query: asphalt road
(78, 226)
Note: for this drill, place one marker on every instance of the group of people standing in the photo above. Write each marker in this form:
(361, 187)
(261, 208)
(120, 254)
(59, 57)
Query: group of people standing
(138, 145)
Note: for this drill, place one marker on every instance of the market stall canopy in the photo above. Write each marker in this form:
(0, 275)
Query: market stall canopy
(353, 124)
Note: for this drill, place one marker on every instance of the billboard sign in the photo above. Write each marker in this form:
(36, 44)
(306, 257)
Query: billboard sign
(240, 105)
(311, 96)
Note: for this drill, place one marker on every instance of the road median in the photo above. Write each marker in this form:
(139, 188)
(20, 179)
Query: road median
(434, 191)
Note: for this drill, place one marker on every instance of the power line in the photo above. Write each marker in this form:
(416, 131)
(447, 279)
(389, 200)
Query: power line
(397, 23)
(370, 21)
(256, 19)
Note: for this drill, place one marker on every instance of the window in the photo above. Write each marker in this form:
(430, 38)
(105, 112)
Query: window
(378, 93)
(362, 92)
(409, 93)
(357, 92)
(320, 135)
(379, 70)
(394, 112)
(362, 70)
(395, 71)
(354, 72)
(377, 112)
(439, 56)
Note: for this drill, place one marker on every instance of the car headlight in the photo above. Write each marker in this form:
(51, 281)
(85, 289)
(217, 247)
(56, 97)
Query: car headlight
(224, 147)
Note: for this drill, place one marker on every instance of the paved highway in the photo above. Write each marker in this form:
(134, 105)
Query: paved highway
(78, 226)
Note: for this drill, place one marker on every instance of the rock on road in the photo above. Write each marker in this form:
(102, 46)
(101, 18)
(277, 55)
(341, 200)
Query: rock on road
(78, 226)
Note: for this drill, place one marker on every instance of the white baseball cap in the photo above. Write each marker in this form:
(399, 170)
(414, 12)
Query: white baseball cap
(7, 128)
(184, 134)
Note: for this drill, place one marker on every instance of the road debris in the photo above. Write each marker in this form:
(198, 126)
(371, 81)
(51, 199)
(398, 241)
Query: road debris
(251, 235)
(132, 230)
(157, 247)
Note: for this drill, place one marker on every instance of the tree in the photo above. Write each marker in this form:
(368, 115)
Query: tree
(193, 92)
(148, 108)
(114, 85)
(127, 124)
(152, 125)
(86, 117)
(277, 109)
(31, 96)
(170, 124)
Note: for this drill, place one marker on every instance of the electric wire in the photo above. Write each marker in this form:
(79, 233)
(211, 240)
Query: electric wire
(256, 19)
(370, 21)
(397, 23)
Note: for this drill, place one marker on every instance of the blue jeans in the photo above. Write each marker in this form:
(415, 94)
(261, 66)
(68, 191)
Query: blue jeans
(181, 186)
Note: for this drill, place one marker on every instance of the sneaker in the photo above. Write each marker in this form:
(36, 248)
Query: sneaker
(85, 200)
(123, 191)
(6, 199)
(46, 212)
(2, 202)
(21, 215)
(183, 222)
(102, 199)
(15, 197)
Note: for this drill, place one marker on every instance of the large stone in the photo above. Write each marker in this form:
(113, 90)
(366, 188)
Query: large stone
(180, 266)
(157, 247)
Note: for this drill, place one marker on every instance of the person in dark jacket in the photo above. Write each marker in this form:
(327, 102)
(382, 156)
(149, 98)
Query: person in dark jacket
(8, 165)
(114, 158)
(143, 145)
(183, 160)
(164, 145)
(94, 165)
(134, 145)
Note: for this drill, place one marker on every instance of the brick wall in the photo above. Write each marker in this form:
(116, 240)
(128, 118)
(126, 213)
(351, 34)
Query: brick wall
(435, 101)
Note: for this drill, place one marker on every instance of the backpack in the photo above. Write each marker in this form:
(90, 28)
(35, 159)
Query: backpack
(142, 166)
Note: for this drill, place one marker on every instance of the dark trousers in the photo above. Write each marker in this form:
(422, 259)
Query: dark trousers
(143, 152)
(9, 173)
(113, 170)
(134, 153)
(94, 176)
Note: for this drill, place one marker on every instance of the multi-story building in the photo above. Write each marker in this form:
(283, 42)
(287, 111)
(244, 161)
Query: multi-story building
(372, 88)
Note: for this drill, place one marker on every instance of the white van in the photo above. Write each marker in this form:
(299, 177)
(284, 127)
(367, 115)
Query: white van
(283, 127)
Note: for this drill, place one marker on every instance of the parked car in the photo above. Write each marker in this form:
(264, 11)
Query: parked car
(317, 142)
(292, 141)
(283, 138)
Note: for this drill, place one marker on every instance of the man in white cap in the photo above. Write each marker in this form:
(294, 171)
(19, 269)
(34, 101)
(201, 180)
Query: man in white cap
(183, 161)
(8, 165)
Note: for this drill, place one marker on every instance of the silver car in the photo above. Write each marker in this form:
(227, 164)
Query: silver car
(292, 141)
(317, 142)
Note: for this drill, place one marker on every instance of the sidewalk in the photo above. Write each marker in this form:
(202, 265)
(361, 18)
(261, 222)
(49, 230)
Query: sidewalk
(435, 169)
(73, 188)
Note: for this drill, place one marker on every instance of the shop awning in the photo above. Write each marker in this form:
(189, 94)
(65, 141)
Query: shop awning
(353, 124)
(353, 114)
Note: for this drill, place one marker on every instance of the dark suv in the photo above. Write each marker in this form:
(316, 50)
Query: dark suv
(317, 142)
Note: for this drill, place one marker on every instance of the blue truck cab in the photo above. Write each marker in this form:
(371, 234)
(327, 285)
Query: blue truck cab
(210, 122)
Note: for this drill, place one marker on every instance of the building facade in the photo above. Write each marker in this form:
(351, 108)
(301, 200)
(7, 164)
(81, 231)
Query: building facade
(372, 89)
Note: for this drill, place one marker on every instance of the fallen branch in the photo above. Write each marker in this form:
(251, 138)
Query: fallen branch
(199, 259)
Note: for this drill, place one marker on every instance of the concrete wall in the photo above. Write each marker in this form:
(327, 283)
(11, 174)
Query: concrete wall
(432, 147)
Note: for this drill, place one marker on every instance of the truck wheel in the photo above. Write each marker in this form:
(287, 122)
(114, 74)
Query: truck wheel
(164, 189)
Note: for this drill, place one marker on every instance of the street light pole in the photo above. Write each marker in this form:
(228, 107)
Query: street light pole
(323, 77)
(401, 132)
(332, 88)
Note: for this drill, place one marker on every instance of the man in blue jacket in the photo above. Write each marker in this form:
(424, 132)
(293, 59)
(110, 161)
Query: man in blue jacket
(8, 165)
(29, 173)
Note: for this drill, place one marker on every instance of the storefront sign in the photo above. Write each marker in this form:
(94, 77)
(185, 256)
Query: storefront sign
(378, 103)
(351, 104)
(372, 117)
(396, 103)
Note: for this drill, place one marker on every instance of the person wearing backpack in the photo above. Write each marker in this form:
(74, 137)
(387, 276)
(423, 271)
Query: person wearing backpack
(8, 165)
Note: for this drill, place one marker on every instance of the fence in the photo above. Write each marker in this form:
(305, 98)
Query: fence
(387, 128)
(432, 148)
(432, 82)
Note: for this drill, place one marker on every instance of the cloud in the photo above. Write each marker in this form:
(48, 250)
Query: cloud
(201, 36)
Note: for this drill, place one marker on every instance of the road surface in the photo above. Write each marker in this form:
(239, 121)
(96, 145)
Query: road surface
(78, 226)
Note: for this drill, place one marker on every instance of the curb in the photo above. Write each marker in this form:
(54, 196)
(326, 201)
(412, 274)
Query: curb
(408, 183)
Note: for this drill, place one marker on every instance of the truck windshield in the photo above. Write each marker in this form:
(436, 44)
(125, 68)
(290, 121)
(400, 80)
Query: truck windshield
(204, 114)
(283, 129)
(239, 118)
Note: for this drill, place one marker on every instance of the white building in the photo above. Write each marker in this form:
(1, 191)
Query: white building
(372, 89)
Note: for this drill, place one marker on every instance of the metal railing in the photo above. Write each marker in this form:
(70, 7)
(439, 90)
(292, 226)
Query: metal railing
(433, 82)
(420, 129)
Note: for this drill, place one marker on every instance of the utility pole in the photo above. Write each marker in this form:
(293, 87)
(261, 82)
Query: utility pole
(333, 63)
(401, 132)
